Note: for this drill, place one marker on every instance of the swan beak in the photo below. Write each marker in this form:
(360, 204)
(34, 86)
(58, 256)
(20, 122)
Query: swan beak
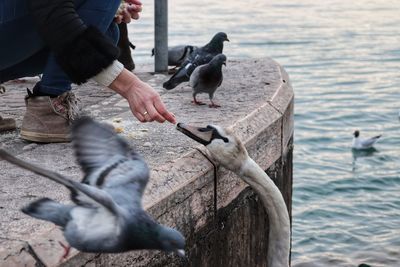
(199, 134)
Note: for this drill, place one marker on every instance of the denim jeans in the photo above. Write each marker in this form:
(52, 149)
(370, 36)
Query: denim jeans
(23, 53)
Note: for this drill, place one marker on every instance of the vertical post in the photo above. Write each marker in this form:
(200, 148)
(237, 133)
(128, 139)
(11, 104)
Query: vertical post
(161, 35)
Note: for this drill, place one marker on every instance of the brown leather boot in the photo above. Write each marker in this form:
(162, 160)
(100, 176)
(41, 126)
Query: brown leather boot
(7, 124)
(47, 120)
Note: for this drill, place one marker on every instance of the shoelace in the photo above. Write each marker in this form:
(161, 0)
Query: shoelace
(71, 103)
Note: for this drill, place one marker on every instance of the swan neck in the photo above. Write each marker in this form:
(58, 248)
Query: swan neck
(272, 199)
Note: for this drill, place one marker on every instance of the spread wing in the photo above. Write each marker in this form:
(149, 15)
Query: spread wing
(89, 195)
(109, 162)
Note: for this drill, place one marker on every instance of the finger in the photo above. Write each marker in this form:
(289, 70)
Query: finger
(134, 16)
(134, 8)
(118, 19)
(134, 2)
(153, 113)
(139, 116)
(162, 110)
(126, 16)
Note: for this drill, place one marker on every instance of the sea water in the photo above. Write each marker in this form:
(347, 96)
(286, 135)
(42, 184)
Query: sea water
(343, 58)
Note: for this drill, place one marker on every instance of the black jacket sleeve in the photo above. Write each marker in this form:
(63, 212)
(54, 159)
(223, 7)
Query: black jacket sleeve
(81, 51)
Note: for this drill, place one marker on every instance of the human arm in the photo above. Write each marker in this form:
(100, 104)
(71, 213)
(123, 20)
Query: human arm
(82, 51)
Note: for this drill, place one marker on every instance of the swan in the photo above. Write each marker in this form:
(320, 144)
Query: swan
(230, 152)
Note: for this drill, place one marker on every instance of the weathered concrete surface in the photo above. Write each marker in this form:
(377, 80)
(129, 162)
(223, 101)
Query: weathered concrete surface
(217, 214)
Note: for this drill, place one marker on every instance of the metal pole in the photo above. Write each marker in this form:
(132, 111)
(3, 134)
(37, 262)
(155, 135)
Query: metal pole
(161, 35)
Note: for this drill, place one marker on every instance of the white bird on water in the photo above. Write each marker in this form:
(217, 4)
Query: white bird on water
(230, 152)
(363, 143)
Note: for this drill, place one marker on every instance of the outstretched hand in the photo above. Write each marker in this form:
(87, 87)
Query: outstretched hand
(145, 103)
(128, 10)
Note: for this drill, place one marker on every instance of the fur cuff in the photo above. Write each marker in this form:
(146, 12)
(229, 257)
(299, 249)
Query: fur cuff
(87, 55)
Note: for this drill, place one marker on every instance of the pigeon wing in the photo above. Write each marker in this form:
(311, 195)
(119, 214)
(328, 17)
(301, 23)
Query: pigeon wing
(93, 195)
(109, 162)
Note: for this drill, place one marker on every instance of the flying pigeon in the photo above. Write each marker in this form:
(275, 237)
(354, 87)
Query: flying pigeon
(359, 143)
(178, 54)
(106, 215)
(198, 57)
(207, 78)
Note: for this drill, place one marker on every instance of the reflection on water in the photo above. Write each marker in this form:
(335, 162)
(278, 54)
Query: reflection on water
(343, 58)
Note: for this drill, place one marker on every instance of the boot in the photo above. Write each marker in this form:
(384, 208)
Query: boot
(125, 56)
(7, 124)
(48, 119)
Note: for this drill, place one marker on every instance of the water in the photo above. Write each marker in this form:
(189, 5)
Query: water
(343, 58)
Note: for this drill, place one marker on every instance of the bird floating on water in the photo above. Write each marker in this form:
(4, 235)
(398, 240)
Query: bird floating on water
(363, 143)
(106, 215)
(198, 57)
(230, 152)
(207, 78)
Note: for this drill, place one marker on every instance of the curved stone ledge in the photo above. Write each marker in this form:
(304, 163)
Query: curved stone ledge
(185, 192)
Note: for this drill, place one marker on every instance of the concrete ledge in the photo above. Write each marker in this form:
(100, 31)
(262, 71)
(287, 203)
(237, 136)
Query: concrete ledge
(185, 192)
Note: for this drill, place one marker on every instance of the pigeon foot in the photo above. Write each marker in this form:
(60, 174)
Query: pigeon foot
(198, 103)
(212, 105)
(67, 250)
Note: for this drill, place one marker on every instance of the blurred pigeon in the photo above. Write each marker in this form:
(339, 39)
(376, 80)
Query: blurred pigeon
(178, 54)
(106, 215)
(367, 143)
(207, 78)
(200, 56)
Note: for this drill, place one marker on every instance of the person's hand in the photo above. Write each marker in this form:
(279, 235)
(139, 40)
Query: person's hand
(128, 10)
(145, 103)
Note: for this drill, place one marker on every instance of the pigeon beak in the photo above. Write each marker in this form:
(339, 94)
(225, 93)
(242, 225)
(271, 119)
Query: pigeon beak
(199, 134)
(180, 253)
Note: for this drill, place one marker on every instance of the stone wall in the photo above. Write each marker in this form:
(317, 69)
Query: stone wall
(221, 218)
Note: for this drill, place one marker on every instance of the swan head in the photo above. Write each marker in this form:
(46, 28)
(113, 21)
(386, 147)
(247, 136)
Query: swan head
(223, 145)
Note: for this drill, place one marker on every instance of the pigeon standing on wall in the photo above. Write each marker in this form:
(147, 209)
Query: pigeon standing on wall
(361, 143)
(200, 56)
(178, 54)
(207, 78)
(106, 215)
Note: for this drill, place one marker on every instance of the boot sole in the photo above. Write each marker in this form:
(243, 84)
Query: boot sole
(44, 138)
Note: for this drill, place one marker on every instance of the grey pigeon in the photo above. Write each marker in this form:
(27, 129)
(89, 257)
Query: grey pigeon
(106, 215)
(363, 143)
(178, 54)
(207, 78)
(198, 57)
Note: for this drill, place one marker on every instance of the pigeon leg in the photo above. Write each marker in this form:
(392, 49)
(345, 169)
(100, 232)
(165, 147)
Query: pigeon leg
(173, 70)
(213, 105)
(67, 249)
(197, 102)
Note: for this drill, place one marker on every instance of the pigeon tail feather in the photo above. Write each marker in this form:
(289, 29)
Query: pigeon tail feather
(49, 210)
(179, 77)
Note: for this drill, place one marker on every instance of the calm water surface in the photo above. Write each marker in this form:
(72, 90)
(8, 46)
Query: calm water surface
(343, 58)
